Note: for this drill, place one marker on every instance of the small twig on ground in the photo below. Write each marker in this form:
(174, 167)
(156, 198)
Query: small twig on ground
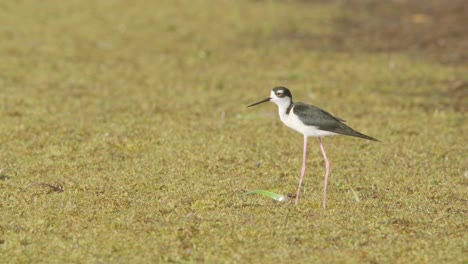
(51, 187)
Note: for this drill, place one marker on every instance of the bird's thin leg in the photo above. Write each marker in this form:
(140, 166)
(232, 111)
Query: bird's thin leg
(302, 170)
(327, 172)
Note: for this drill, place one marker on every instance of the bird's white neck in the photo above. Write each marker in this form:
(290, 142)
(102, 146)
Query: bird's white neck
(283, 108)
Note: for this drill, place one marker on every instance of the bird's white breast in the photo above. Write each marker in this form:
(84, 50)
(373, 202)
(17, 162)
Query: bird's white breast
(291, 120)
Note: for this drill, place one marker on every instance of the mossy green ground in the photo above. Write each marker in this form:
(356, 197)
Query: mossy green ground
(125, 137)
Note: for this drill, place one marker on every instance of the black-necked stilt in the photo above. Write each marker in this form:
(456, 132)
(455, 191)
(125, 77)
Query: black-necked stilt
(311, 121)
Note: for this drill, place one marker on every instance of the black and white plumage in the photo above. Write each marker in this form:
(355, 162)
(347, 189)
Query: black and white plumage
(310, 121)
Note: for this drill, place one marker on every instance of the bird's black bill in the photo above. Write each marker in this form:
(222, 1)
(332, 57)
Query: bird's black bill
(262, 101)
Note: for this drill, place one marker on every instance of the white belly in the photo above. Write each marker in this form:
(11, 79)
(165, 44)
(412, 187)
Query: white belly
(293, 122)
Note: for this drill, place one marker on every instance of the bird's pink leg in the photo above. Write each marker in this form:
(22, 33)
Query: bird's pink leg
(302, 170)
(327, 172)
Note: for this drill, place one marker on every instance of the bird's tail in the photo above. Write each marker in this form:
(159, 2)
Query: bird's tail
(346, 130)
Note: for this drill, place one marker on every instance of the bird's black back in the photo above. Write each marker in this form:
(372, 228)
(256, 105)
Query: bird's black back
(313, 116)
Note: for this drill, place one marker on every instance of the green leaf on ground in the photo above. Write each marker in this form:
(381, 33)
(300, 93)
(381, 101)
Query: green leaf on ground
(274, 196)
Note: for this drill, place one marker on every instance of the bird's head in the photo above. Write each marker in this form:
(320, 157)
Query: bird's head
(281, 96)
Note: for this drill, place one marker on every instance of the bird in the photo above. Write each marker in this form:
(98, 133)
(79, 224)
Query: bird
(311, 121)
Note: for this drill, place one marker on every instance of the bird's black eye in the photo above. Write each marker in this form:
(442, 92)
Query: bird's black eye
(279, 93)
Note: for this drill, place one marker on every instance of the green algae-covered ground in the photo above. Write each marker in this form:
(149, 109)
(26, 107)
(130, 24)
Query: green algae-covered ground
(125, 137)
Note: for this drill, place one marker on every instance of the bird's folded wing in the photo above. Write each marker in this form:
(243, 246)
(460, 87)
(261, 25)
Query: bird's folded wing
(313, 116)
